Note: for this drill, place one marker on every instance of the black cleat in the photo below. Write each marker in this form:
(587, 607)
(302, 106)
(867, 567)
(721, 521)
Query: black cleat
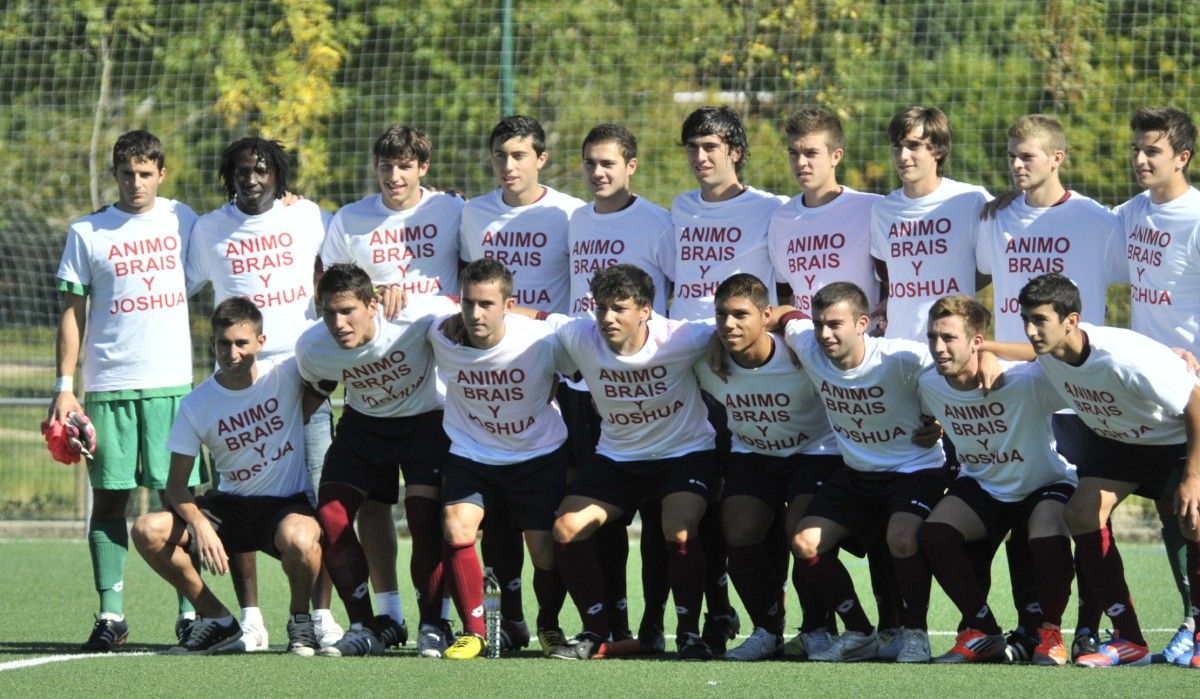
(107, 636)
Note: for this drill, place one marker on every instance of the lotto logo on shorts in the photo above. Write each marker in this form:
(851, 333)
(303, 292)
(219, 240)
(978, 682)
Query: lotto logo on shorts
(921, 505)
(698, 483)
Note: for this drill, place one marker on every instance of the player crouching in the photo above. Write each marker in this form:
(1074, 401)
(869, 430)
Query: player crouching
(251, 419)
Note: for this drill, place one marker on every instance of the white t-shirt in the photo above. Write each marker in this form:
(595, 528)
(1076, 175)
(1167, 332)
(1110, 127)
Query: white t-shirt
(255, 435)
(639, 234)
(772, 409)
(649, 403)
(873, 407)
(530, 240)
(268, 258)
(716, 239)
(1078, 238)
(1004, 439)
(132, 268)
(928, 245)
(416, 249)
(390, 375)
(1162, 243)
(813, 247)
(1129, 388)
(500, 406)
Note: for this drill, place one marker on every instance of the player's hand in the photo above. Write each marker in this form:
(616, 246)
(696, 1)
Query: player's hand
(928, 433)
(879, 320)
(210, 549)
(1187, 507)
(1192, 364)
(453, 329)
(717, 358)
(393, 300)
(62, 406)
(991, 374)
(990, 209)
(452, 191)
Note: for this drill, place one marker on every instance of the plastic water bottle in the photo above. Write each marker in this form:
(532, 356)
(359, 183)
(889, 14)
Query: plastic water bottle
(491, 614)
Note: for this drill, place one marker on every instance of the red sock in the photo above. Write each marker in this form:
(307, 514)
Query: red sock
(344, 557)
(829, 577)
(716, 571)
(685, 570)
(913, 580)
(503, 550)
(1193, 575)
(424, 516)
(581, 572)
(1105, 573)
(550, 592)
(655, 586)
(756, 581)
(464, 577)
(1053, 571)
(612, 550)
(946, 550)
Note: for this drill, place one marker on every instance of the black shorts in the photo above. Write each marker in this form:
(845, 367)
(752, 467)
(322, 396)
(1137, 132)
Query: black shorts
(530, 491)
(1156, 469)
(583, 424)
(777, 480)
(625, 484)
(1000, 517)
(718, 417)
(368, 451)
(1073, 439)
(249, 522)
(862, 502)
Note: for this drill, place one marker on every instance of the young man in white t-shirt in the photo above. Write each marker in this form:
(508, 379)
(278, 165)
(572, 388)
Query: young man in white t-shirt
(1011, 481)
(869, 389)
(137, 356)
(392, 423)
(250, 416)
(783, 450)
(257, 246)
(1143, 405)
(523, 225)
(1162, 242)
(923, 234)
(507, 442)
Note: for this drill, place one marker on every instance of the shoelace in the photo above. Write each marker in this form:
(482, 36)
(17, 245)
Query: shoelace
(302, 633)
(202, 631)
(105, 630)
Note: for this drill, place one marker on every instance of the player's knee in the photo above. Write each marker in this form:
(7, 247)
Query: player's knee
(903, 540)
(458, 531)
(567, 528)
(1081, 516)
(149, 533)
(300, 537)
(805, 545)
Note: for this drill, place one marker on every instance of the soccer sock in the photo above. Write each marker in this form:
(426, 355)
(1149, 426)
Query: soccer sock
(1193, 574)
(1053, 571)
(829, 577)
(1177, 558)
(1087, 620)
(716, 571)
(946, 550)
(612, 550)
(913, 580)
(1022, 577)
(685, 570)
(883, 585)
(655, 585)
(756, 582)
(550, 592)
(503, 550)
(1105, 573)
(424, 517)
(252, 616)
(344, 557)
(815, 613)
(464, 577)
(108, 542)
(388, 602)
(981, 554)
(580, 572)
(185, 607)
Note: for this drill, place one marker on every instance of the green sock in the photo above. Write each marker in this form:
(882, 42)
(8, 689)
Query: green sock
(108, 542)
(184, 605)
(1176, 547)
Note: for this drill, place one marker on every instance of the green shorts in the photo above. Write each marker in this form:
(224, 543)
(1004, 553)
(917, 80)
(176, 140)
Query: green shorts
(131, 438)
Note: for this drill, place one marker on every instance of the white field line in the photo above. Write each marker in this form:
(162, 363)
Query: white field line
(34, 662)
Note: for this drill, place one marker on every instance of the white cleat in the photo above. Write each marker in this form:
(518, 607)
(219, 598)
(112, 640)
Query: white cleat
(850, 646)
(762, 645)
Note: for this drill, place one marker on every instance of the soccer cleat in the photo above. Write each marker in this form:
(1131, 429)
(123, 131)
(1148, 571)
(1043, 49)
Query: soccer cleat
(107, 635)
(327, 630)
(1194, 662)
(1019, 646)
(208, 636)
(431, 641)
(252, 640)
(806, 642)
(1086, 644)
(761, 645)
(719, 630)
(183, 627)
(302, 636)
(914, 646)
(621, 644)
(1179, 647)
(551, 639)
(389, 633)
(652, 640)
(850, 646)
(514, 635)
(694, 647)
(468, 647)
(1051, 650)
(585, 646)
(973, 646)
(358, 640)
(1116, 652)
(889, 645)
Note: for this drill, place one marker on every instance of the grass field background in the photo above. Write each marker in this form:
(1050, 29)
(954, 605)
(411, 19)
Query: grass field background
(47, 603)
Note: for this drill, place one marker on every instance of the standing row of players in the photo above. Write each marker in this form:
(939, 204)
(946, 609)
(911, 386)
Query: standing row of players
(554, 242)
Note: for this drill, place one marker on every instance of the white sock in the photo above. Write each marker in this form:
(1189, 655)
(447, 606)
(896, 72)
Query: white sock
(323, 616)
(187, 615)
(252, 616)
(111, 615)
(389, 603)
